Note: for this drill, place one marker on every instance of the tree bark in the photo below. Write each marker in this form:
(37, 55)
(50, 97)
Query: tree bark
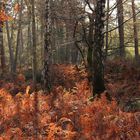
(34, 43)
(121, 27)
(98, 73)
(18, 37)
(21, 50)
(90, 47)
(47, 47)
(29, 34)
(11, 54)
(107, 26)
(136, 44)
(2, 54)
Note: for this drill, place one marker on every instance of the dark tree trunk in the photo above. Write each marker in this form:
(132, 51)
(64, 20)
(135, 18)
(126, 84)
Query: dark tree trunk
(107, 26)
(47, 47)
(2, 54)
(18, 37)
(90, 47)
(121, 27)
(98, 73)
(136, 44)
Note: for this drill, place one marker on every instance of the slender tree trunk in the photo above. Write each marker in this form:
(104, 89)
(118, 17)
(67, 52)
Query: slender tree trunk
(107, 23)
(67, 50)
(136, 44)
(98, 73)
(121, 27)
(34, 42)
(11, 54)
(18, 37)
(2, 54)
(42, 41)
(29, 44)
(21, 49)
(47, 47)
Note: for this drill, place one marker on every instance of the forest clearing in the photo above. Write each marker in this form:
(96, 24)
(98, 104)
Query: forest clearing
(69, 70)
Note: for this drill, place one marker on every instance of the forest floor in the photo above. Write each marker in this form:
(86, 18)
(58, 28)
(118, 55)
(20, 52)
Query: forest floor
(69, 112)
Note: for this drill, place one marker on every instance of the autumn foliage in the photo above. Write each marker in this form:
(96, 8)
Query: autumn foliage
(4, 16)
(68, 113)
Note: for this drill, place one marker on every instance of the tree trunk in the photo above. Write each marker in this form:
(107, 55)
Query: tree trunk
(68, 46)
(11, 54)
(98, 73)
(18, 37)
(29, 34)
(121, 27)
(2, 54)
(42, 41)
(90, 48)
(47, 47)
(107, 25)
(21, 50)
(34, 42)
(136, 44)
